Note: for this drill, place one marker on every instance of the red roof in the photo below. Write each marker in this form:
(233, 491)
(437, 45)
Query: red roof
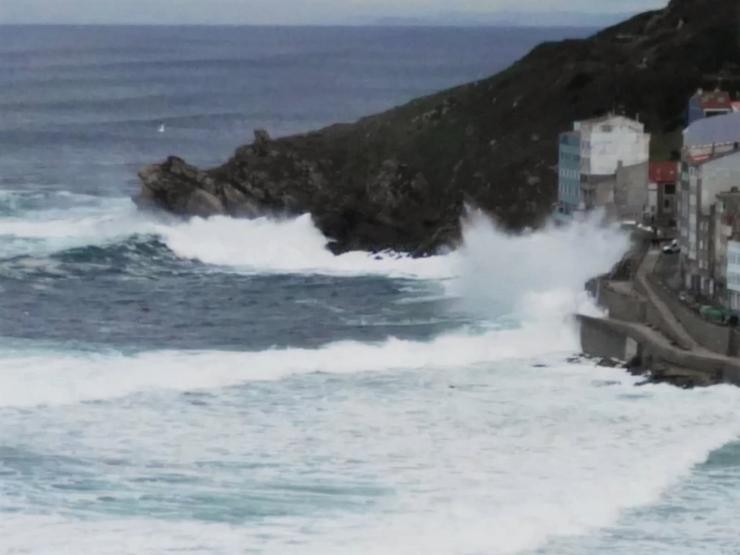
(714, 100)
(663, 172)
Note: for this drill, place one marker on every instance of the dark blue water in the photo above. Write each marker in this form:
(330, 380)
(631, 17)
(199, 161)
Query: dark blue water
(95, 96)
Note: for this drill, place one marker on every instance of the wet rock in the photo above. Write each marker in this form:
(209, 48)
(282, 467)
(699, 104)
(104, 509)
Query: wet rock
(611, 363)
(204, 204)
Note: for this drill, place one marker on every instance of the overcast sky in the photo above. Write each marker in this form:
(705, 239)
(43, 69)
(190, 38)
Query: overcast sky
(285, 11)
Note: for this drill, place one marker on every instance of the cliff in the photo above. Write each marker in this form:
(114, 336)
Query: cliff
(399, 180)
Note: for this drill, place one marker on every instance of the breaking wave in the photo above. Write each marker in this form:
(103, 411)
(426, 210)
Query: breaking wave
(63, 377)
(535, 280)
(262, 245)
(47, 224)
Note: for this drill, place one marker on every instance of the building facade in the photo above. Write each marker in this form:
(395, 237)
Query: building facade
(589, 159)
(708, 138)
(726, 261)
(609, 141)
(569, 172)
(706, 104)
(702, 180)
(631, 193)
(662, 181)
(733, 276)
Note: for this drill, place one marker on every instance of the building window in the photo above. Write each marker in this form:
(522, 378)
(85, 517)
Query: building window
(669, 189)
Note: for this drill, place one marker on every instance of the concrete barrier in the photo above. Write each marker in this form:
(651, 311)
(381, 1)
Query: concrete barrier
(622, 306)
(616, 339)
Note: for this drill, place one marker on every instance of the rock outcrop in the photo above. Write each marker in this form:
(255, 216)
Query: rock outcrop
(399, 180)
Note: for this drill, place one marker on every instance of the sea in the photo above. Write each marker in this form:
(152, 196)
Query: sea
(221, 387)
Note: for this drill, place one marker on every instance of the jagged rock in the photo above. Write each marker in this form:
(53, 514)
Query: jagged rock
(399, 180)
(261, 142)
(204, 204)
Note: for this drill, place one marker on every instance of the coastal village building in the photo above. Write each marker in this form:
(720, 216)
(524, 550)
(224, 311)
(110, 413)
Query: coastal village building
(708, 104)
(710, 166)
(711, 137)
(732, 300)
(726, 259)
(702, 180)
(569, 172)
(631, 192)
(662, 179)
(589, 158)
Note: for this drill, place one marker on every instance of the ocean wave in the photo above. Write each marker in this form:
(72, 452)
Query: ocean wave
(60, 377)
(262, 245)
(493, 266)
(54, 226)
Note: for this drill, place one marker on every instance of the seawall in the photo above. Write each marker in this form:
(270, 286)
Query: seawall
(644, 348)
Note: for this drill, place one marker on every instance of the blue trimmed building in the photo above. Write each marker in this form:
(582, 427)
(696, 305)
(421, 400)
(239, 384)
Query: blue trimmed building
(569, 172)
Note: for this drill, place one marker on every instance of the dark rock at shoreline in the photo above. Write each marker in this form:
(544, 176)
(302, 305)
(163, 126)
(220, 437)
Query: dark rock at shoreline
(685, 378)
(399, 180)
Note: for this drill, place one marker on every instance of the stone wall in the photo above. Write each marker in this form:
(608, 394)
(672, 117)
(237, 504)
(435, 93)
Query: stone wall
(602, 340)
(621, 305)
(614, 339)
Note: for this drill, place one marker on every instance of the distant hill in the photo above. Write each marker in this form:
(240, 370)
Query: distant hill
(503, 19)
(400, 179)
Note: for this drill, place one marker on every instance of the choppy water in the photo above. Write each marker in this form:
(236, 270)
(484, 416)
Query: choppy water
(229, 387)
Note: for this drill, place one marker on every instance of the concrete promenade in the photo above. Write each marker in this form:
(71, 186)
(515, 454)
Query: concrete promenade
(648, 331)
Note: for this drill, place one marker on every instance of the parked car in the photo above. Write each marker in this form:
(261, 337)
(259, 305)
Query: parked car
(672, 247)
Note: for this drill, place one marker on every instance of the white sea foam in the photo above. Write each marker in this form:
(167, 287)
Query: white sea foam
(510, 459)
(87, 221)
(537, 273)
(262, 245)
(286, 246)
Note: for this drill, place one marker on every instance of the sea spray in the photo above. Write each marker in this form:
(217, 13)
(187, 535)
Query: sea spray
(537, 276)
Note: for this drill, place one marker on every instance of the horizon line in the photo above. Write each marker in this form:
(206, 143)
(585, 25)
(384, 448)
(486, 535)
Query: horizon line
(422, 24)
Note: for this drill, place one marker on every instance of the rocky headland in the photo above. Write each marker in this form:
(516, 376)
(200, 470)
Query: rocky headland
(400, 180)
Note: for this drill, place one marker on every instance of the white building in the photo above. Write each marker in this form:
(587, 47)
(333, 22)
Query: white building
(592, 156)
(609, 141)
